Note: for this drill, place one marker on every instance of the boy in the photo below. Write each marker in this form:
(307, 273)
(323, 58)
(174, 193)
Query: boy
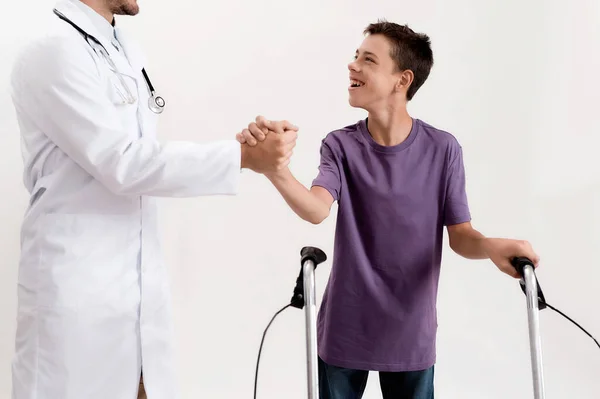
(397, 181)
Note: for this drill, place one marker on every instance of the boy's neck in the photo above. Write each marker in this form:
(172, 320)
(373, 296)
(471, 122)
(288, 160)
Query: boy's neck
(390, 127)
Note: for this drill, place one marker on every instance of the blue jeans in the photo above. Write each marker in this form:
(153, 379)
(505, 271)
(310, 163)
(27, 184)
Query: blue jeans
(340, 383)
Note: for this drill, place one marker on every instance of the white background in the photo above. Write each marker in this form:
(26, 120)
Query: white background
(517, 82)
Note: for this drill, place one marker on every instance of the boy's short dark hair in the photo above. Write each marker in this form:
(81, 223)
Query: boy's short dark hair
(410, 50)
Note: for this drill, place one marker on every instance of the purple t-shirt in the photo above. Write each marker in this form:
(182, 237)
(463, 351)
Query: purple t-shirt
(379, 307)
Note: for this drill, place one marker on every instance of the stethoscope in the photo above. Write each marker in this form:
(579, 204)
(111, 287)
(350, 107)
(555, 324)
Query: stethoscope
(155, 103)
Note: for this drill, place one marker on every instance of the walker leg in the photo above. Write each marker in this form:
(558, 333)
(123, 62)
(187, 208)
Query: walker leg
(535, 302)
(311, 329)
(535, 343)
(305, 294)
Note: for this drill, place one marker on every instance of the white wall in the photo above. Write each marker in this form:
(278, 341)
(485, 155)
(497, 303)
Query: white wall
(517, 82)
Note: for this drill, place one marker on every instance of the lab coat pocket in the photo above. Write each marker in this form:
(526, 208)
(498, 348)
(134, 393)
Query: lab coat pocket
(86, 260)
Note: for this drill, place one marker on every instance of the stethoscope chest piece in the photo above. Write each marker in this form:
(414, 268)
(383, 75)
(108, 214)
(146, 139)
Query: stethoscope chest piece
(156, 104)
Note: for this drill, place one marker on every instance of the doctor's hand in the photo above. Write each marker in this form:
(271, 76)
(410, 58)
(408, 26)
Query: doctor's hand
(272, 154)
(257, 131)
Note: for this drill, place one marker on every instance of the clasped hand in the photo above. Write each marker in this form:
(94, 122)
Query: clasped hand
(267, 146)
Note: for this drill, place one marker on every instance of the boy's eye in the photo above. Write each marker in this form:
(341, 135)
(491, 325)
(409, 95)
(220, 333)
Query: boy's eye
(369, 59)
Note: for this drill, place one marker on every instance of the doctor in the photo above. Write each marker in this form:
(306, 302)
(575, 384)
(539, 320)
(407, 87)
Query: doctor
(93, 299)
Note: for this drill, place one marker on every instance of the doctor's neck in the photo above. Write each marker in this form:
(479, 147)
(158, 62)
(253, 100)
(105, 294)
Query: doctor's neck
(109, 8)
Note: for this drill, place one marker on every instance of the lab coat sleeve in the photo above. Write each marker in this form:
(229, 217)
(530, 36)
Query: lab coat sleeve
(58, 85)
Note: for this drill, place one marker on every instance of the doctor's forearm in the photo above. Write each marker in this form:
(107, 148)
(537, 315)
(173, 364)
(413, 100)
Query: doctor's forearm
(174, 169)
(302, 201)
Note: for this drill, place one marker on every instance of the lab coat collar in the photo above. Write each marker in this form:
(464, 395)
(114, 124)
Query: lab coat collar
(97, 27)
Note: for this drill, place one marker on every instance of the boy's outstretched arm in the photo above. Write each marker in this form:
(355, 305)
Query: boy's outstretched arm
(312, 205)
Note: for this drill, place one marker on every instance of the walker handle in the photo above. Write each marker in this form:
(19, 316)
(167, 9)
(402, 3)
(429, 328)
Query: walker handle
(520, 263)
(316, 256)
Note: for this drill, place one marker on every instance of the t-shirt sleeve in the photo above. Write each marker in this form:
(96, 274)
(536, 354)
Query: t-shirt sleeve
(329, 176)
(456, 206)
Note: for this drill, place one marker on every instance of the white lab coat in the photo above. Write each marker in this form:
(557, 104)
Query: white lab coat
(93, 295)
